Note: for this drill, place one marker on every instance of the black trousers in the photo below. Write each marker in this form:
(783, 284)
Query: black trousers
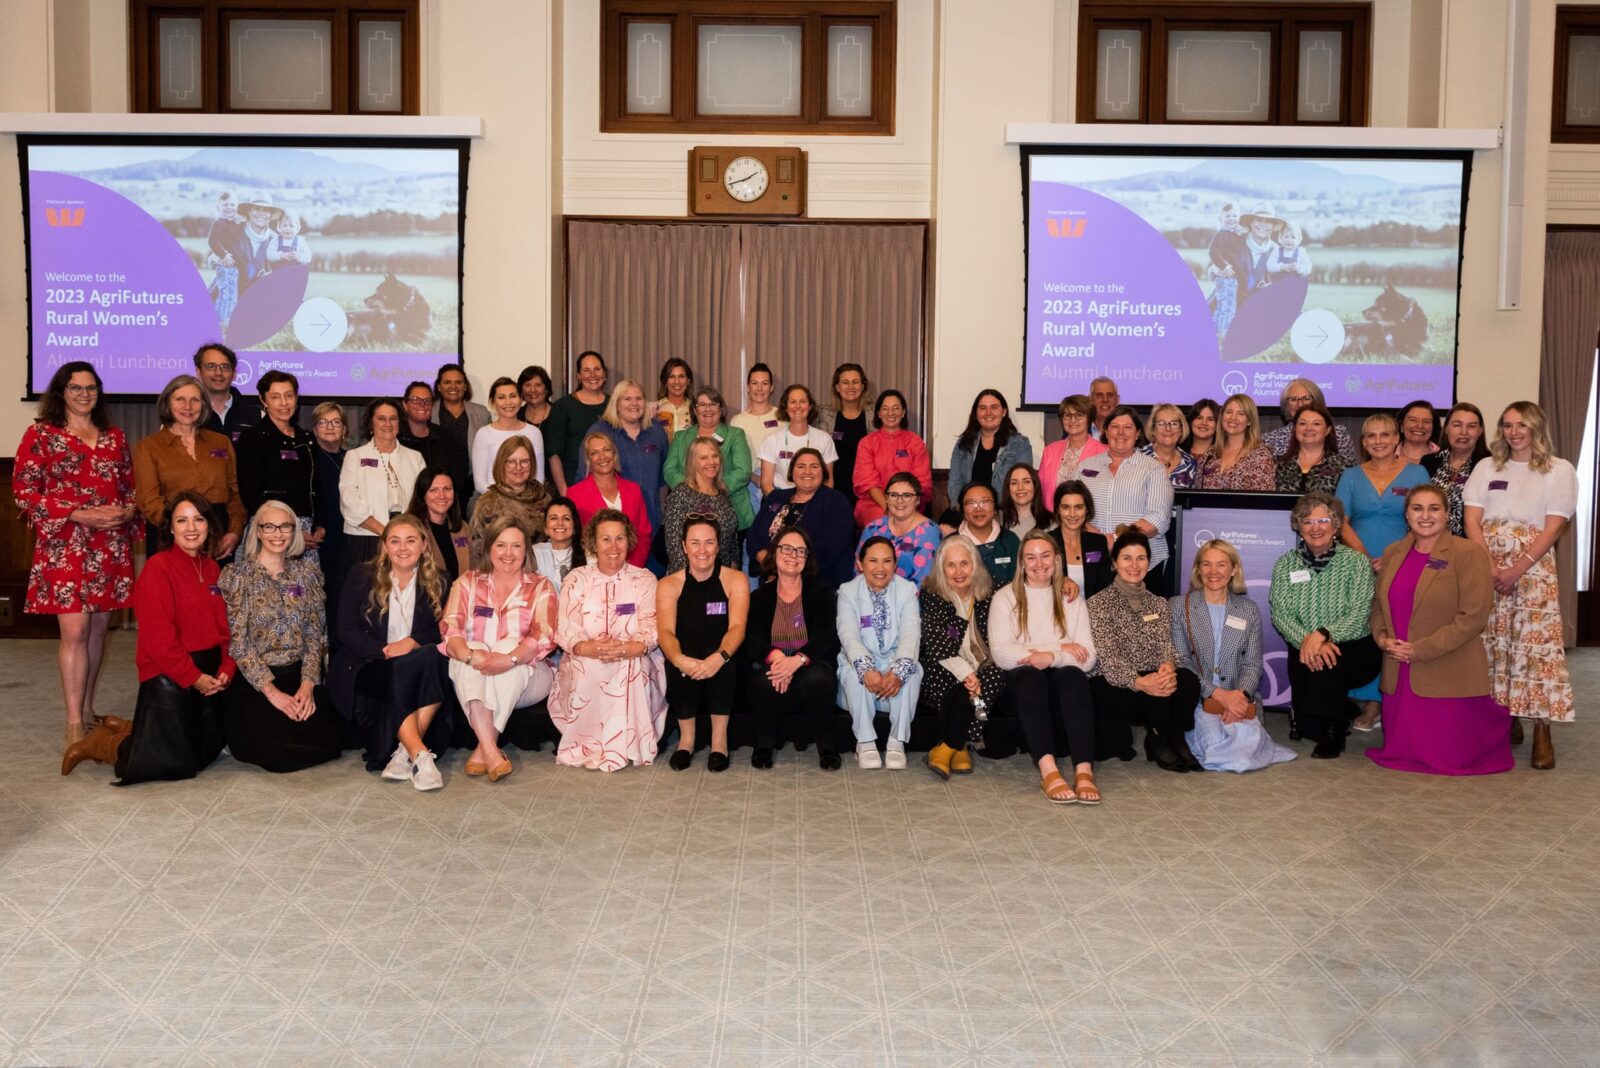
(1171, 716)
(812, 691)
(1055, 711)
(1321, 708)
(954, 717)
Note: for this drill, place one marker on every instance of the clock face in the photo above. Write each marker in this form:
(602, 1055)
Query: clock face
(745, 179)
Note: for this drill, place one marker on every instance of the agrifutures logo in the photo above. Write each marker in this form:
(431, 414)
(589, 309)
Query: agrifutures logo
(64, 216)
(1066, 227)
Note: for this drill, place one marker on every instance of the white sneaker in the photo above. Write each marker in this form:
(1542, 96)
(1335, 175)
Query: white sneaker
(868, 757)
(399, 766)
(425, 772)
(895, 758)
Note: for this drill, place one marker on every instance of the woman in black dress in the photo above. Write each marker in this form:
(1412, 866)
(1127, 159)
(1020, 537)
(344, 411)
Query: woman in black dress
(700, 622)
(791, 648)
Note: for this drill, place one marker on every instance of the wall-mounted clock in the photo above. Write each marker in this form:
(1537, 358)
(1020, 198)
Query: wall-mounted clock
(747, 181)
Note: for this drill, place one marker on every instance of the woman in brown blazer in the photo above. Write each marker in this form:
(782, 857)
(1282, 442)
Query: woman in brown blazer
(1433, 598)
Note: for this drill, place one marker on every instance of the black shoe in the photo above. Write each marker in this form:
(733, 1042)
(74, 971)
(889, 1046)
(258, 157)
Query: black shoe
(1517, 737)
(828, 759)
(1328, 749)
(717, 762)
(681, 759)
(761, 757)
(1186, 755)
(1159, 752)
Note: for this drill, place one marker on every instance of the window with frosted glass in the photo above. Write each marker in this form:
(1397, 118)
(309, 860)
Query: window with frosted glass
(280, 64)
(850, 71)
(380, 60)
(180, 48)
(1219, 76)
(749, 70)
(649, 61)
(1321, 76)
(1583, 80)
(1119, 73)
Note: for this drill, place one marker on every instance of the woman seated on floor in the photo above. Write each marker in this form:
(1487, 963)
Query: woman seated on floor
(1216, 630)
(182, 655)
(276, 714)
(958, 674)
(499, 627)
(700, 621)
(609, 701)
(880, 628)
(387, 675)
(790, 644)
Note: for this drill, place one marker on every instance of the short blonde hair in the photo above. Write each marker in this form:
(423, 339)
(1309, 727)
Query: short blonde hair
(608, 515)
(164, 402)
(1376, 419)
(1155, 413)
(610, 416)
(252, 537)
(1236, 584)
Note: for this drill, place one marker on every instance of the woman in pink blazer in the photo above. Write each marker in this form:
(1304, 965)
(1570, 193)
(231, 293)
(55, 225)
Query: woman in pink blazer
(1062, 458)
(604, 488)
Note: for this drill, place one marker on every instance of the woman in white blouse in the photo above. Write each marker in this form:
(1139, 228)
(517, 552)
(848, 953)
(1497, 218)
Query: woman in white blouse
(798, 408)
(1042, 640)
(376, 480)
(506, 402)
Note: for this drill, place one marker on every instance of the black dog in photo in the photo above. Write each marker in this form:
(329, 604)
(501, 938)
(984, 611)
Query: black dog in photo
(1394, 325)
(396, 311)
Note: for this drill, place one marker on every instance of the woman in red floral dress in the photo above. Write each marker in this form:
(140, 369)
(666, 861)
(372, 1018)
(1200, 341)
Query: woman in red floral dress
(73, 483)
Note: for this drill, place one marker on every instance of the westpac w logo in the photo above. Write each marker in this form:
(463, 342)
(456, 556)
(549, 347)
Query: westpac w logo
(64, 216)
(1066, 227)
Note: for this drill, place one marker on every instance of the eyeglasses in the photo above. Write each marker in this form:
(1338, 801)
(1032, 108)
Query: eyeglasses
(519, 463)
(1323, 522)
(215, 367)
(799, 552)
(419, 400)
(276, 528)
(1168, 424)
(330, 422)
(902, 496)
(1301, 399)
(85, 391)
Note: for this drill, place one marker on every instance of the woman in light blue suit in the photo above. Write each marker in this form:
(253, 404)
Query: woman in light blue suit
(1216, 630)
(880, 634)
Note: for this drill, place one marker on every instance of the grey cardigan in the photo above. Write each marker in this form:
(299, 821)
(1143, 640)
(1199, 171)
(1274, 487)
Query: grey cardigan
(1240, 662)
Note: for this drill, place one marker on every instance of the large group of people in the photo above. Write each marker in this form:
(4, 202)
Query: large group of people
(629, 568)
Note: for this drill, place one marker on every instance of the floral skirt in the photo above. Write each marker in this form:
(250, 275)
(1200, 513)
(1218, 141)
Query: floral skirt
(1527, 661)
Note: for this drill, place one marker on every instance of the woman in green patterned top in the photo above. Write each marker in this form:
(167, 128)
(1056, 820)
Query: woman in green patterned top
(1321, 598)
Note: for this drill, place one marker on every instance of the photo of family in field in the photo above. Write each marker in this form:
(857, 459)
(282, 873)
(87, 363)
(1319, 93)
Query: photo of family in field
(1375, 242)
(376, 231)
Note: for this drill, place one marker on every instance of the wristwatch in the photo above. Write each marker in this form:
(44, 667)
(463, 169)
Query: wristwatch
(514, 660)
(725, 657)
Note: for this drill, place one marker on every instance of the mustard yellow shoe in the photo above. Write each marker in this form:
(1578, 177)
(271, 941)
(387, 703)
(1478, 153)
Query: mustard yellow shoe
(961, 761)
(938, 760)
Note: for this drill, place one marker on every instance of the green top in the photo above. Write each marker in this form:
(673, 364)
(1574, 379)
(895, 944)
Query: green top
(563, 431)
(735, 466)
(1339, 597)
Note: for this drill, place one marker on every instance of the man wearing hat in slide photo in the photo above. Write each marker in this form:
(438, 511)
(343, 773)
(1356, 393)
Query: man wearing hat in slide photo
(261, 228)
(1260, 242)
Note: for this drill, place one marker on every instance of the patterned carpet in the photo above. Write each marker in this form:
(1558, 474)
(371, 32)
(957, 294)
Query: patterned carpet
(1316, 913)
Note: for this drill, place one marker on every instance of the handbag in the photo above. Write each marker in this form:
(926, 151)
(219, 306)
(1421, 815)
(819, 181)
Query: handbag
(1210, 704)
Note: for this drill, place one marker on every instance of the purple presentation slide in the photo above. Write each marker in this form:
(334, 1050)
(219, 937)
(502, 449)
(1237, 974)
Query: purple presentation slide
(1261, 535)
(338, 265)
(1189, 277)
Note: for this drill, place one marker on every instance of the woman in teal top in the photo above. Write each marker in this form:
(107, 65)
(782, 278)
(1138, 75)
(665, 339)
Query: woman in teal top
(711, 421)
(1374, 499)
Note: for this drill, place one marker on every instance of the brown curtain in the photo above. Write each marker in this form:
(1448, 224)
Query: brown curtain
(818, 296)
(1571, 332)
(643, 292)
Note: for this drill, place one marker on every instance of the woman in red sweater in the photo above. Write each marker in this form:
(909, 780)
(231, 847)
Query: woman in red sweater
(182, 657)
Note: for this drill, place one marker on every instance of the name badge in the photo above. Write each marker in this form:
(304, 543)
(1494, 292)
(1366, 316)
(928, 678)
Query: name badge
(625, 609)
(288, 454)
(1399, 491)
(717, 438)
(717, 608)
(459, 540)
(294, 589)
(219, 454)
(1092, 558)
(235, 437)
(953, 632)
(1297, 577)
(838, 435)
(770, 424)
(651, 448)
(1235, 622)
(1089, 473)
(1500, 484)
(213, 589)
(785, 454)
(1152, 617)
(367, 461)
(1002, 559)
(866, 622)
(1437, 564)
(902, 454)
(483, 611)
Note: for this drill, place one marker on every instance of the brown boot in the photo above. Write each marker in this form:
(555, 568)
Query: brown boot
(1516, 731)
(99, 745)
(75, 733)
(1544, 753)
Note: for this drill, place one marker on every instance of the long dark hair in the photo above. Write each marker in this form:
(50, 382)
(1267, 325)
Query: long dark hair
(1201, 405)
(672, 364)
(1002, 434)
(579, 558)
(216, 522)
(1481, 449)
(53, 403)
(1008, 509)
(419, 497)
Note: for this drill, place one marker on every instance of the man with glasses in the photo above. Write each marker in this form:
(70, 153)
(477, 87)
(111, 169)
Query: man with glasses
(997, 546)
(438, 449)
(1105, 395)
(1296, 395)
(226, 409)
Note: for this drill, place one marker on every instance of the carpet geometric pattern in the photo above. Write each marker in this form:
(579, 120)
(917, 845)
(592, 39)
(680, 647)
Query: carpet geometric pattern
(1317, 913)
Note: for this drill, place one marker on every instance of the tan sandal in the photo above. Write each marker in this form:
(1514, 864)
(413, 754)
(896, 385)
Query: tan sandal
(1088, 792)
(1051, 784)
(476, 768)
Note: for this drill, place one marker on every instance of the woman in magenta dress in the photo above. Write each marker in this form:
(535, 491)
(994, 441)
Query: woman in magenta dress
(610, 696)
(73, 484)
(1433, 599)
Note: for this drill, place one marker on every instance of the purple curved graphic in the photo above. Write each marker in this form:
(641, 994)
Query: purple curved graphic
(1265, 317)
(267, 305)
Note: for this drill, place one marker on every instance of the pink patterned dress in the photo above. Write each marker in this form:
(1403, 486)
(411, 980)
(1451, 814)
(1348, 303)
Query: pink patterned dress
(608, 713)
